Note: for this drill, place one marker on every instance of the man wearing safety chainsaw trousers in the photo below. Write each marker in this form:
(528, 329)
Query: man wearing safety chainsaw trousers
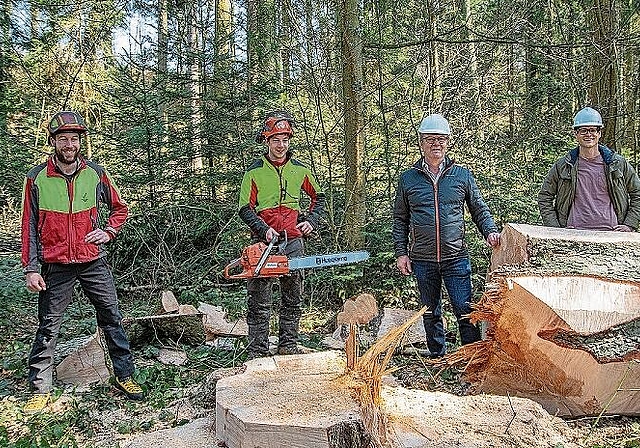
(62, 242)
(270, 205)
(428, 231)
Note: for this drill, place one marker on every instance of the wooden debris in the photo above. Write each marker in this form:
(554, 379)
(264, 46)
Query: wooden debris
(563, 308)
(393, 317)
(183, 324)
(169, 303)
(358, 309)
(216, 322)
(172, 357)
(86, 364)
(169, 329)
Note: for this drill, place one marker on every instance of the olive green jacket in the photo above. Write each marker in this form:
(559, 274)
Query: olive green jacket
(558, 190)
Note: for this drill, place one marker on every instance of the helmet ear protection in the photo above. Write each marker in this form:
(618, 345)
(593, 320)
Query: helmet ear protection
(276, 122)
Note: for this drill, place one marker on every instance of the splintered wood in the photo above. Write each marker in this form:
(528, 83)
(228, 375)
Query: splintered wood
(357, 310)
(563, 308)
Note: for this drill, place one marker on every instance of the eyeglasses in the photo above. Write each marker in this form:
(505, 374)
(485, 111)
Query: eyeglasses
(585, 131)
(433, 140)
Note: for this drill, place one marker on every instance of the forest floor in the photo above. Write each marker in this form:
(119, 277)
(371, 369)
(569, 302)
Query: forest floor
(182, 398)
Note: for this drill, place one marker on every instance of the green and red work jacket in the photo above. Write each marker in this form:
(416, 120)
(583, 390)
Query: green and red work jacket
(270, 197)
(58, 212)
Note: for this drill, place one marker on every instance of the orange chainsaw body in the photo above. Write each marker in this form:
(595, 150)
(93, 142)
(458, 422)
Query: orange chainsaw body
(275, 265)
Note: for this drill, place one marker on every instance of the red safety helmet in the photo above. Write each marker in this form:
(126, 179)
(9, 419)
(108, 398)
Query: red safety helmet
(66, 121)
(277, 122)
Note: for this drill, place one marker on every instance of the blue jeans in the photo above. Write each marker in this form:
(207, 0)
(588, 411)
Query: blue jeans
(456, 275)
(97, 283)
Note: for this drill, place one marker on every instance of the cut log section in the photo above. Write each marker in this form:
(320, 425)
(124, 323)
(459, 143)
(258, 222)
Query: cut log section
(288, 401)
(305, 401)
(548, 250)
(563, 308)
(86, 363)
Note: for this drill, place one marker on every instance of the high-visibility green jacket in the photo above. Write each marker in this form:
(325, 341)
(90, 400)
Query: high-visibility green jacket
(270, 197)
(57, 213)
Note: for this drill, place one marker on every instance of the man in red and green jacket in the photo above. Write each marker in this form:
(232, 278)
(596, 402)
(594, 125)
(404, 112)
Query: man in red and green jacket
(62, 242)
(270, 205)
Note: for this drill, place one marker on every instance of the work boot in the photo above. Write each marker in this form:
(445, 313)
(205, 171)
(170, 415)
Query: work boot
(253, 355)
(37, 403)
(294, 350)
(130, 388)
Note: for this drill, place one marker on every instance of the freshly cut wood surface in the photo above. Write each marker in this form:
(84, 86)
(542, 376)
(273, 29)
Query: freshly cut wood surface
(85, 365)
(563, 313)
(169, 303)
(359, 309)
(524, 356)
(305, 401)
(216, 322)
(285, 401)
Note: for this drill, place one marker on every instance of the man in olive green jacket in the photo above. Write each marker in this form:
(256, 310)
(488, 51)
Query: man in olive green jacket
(591, 187)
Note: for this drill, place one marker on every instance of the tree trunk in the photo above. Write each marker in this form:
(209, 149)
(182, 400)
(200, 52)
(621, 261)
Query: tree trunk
(563, 308)
(603, 92)
(352, 88)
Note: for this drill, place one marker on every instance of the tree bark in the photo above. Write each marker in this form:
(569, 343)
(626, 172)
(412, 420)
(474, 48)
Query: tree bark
(352, 88)
(603, 92)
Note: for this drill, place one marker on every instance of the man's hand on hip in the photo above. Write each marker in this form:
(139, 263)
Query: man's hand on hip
(404, 264)
(35, 282)
(97, 236)
(622, 228)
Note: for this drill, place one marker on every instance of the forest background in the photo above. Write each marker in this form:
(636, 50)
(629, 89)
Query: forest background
(174, 91)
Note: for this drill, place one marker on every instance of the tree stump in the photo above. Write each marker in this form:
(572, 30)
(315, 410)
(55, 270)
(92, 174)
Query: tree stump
(290, 402)
(563, 308)
(306, 401)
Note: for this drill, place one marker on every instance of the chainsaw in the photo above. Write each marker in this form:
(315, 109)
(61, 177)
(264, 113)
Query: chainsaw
(262, 260)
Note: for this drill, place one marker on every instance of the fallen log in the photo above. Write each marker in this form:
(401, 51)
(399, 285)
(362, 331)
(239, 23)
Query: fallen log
(563, 308)
(548, 250)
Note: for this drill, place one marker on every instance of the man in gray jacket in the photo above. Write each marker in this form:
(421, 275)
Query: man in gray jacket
(591, 187)
(428, 231)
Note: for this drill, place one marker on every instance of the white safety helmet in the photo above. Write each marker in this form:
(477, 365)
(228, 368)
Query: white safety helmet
(587, 117)
(434, 124)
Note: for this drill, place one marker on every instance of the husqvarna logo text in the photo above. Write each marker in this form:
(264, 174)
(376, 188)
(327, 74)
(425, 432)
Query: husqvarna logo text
(325, 260)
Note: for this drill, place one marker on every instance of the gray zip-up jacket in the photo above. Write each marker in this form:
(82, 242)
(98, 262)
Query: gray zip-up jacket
(559, 188)
(428, 219)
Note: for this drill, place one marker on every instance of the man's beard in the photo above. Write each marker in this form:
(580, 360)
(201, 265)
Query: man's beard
(62, 160)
